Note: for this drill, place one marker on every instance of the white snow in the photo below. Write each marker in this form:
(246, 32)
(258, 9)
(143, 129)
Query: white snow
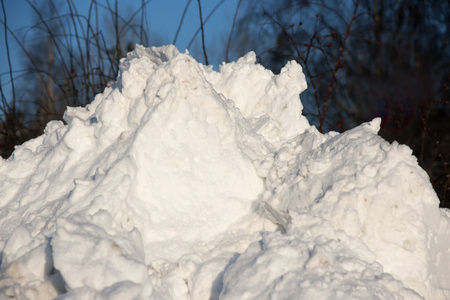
(181, 182)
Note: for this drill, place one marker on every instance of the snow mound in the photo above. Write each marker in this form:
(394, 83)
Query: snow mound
(180, 182)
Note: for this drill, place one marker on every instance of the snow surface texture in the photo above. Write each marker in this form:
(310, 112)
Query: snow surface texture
(181, 182)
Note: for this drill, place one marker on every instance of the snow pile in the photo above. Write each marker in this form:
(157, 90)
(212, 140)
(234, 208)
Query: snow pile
(181, 182)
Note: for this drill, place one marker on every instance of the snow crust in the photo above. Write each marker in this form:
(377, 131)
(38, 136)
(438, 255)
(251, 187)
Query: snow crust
(180, 182)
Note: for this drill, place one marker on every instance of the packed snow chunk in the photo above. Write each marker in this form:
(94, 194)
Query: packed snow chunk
(87, 256)
(441, 253)
(369, 189)
(269, 102)
(195, 176)
(305, 265)
(28, 264)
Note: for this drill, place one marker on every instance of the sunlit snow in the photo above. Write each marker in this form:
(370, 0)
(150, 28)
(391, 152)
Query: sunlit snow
(181, 182)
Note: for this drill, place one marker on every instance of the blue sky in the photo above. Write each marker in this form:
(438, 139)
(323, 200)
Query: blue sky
(163, 19)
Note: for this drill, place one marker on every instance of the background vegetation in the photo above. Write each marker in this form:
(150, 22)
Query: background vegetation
(362, 59)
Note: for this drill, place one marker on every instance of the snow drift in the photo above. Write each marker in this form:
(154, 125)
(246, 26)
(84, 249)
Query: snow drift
(180, 182)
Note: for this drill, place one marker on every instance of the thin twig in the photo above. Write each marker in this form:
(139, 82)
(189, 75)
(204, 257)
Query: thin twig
(204, 23)
(49, 31)
(144, 30)
(231, 31)
(203, 32)
(9, 64)
(336, 68)
(181, 22)
(299, 56)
